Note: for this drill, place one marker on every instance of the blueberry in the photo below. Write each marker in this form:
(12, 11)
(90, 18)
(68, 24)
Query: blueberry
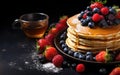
(76, 54)
(70, 52)
(84, 23)
(110, 22)
(89, 19)
(64, 45)
(65, 64)
(65, 49)
(103, 71)
(81, 15)
(111, 17)
(89, 13)
(42, 58)
(96, 10)
(112, 11)
(89, 53)
(62, 41)
(91, 24)
(89, 57)
(117, 21)
(88, 8)
(103, 23)
(73, 65)
(81, 56)
(62, 36)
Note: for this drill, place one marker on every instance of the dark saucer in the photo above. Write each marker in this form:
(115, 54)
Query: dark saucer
(74, 59)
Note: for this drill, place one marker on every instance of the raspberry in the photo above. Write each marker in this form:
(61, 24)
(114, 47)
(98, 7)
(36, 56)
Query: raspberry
(104, 10)
(96, 17)
(80, 68)
(58, 60)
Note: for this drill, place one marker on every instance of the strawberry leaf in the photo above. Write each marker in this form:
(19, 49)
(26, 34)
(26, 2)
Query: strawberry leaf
(108, 56)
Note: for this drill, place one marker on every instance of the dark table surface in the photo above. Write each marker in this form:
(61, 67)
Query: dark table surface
(16, 49)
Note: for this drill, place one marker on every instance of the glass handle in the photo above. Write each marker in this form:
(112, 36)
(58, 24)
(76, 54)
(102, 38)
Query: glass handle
(16, 24)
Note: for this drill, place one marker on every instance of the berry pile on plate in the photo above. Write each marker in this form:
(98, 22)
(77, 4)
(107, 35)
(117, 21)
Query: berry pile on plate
(99, 15)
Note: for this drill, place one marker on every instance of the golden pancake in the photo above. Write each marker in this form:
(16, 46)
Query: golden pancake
(83, 39)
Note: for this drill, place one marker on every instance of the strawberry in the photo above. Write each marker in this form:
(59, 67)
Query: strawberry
(100, 57)
(96, 17)
(42, 43)
(117, 58)
(80, 68)
(63, 19)
(115, 71)
(57, 60)
(59, 26)
(104, 56)
(50, 52)
(50, 37)
(104, 10)
(96, 4)
(53, 30)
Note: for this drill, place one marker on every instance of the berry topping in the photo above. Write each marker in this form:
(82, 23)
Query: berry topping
(99, 15)
(96, 17)
(104, 10)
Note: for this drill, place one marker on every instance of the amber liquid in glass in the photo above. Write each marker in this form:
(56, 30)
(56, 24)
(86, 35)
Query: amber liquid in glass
(35, 30)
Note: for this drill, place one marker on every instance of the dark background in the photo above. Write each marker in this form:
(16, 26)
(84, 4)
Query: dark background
(11, 10)
(14, 46)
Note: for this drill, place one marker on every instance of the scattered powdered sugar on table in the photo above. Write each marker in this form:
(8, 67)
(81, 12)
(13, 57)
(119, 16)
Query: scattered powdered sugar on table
(31, 61)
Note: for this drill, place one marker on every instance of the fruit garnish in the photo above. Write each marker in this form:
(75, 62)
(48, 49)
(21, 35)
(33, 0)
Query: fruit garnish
(104, 56)
(98, 15)
(115, 71)
(108, 56)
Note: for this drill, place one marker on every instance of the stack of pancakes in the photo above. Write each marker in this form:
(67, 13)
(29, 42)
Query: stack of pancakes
(83, 39)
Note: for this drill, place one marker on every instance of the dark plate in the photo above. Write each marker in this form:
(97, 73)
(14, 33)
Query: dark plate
(72, 58)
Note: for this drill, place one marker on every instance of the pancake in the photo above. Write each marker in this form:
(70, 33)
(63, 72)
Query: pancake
(93, 43)
(82, 38)
(96, 33)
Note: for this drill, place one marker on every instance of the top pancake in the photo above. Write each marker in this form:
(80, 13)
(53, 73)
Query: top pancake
(98, 33)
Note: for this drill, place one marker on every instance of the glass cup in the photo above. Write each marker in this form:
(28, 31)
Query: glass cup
(34, 25)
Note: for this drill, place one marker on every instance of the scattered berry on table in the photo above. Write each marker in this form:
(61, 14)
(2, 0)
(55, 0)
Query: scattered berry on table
(80, 68)
(58, 60)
